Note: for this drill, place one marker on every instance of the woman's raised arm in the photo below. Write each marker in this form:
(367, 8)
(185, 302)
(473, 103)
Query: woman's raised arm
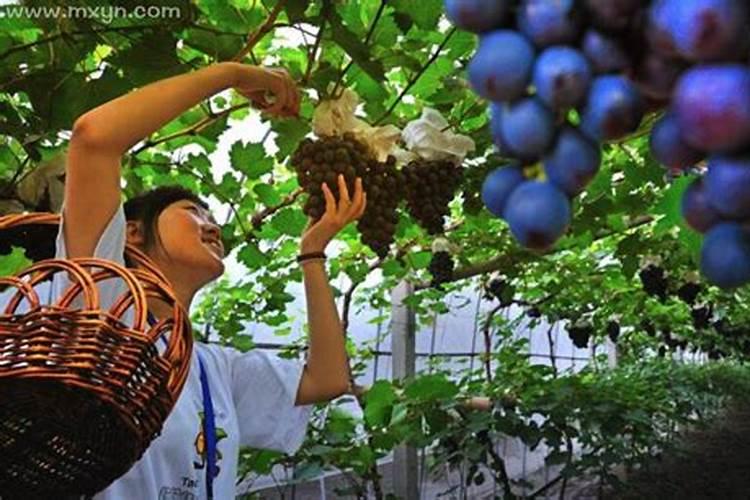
(103, 135)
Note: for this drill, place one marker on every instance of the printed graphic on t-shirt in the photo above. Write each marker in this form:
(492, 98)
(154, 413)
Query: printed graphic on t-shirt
(202, 451)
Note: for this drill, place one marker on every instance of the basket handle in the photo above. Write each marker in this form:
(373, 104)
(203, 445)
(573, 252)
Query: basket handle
(42, 271)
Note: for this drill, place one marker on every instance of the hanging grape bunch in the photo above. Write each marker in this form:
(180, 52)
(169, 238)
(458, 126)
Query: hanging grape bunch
(322, 160)
(611, 61)
(385, 190)
(430, 187)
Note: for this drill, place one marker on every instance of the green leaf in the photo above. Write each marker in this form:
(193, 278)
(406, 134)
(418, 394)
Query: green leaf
(295, 9)
(431, 387)
(267, 195)
(425, 13)
(290, 221)
(378, 402)
(670, 205)
(13, 262)
(356, 49)
(289, 134)
(420, 260)
(251, 256)
(250, 159)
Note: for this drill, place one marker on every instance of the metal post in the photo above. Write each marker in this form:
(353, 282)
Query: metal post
(403, 331)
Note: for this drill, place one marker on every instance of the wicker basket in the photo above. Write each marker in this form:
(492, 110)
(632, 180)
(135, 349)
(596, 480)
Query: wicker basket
(83, 394)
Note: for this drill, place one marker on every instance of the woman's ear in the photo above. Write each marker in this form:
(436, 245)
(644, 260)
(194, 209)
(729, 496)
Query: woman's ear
(134, 233)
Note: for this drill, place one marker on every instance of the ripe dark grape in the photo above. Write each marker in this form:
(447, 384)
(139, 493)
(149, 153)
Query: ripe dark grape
(657, 31)
(385, 190)
(727, 184)
(613, 330)
(477, 15)
(702, 30)
(323, 160)
(656, 76)
(605, 53)
(712, 108)
(614, 108)
(701, 316)
(696, 210)
(669, 148)
(648, 327)
(497, 187)
(430, 187)
(561, 76)
(725, 255)
(612, 15)
(580, 335)
(688, 292)
(654, 281)
(501, 290)
(501, 67)
(573, 161)
(538, 214)
(549, 23)
(441, 267)
(527, 127)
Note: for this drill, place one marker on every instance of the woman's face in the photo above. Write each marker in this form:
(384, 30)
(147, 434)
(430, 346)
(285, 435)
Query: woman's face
(190, 242)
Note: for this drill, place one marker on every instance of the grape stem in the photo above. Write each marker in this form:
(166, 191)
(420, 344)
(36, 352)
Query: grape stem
(267, 26)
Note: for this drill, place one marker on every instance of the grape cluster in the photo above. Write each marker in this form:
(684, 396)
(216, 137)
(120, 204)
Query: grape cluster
(654, 281)
(430, 187)
(321, 161)
(441, 267)
(384, 185)
(580, 334)
(608, 62)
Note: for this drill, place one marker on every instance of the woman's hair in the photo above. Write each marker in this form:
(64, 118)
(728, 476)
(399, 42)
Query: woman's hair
(146, 208)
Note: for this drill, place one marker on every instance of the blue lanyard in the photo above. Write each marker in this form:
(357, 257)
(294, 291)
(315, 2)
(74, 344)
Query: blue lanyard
(209, 422)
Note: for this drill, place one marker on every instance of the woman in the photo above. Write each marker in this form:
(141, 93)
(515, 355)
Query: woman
(254, 399)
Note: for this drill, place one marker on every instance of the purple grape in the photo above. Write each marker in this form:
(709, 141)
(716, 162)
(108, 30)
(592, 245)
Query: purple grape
(712, 107)
(605, 53)
(498, 186)
(538, 214)
(701, 30)
(725, 256)
(669, 148)
(612, 14)
(728, 185)
(613, 109)
(658, 32)
(573, 162)
(548, 22)
(562, 76)
(527, 127)
(496, 117)
(501, 67)
(656, 76)
(477, 15)
(696, 210)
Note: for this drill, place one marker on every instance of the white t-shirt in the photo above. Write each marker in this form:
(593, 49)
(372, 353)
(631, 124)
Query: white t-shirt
(253, 396)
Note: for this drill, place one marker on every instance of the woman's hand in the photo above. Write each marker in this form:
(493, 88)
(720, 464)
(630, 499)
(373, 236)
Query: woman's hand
(272, 90)
(319, 234)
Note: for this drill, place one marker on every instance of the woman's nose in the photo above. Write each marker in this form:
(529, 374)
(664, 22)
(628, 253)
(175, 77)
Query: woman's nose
(212, 230)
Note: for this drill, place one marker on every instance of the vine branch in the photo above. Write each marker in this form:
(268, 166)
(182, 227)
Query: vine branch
(515, 258)
(267, 26)
(258, 218)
